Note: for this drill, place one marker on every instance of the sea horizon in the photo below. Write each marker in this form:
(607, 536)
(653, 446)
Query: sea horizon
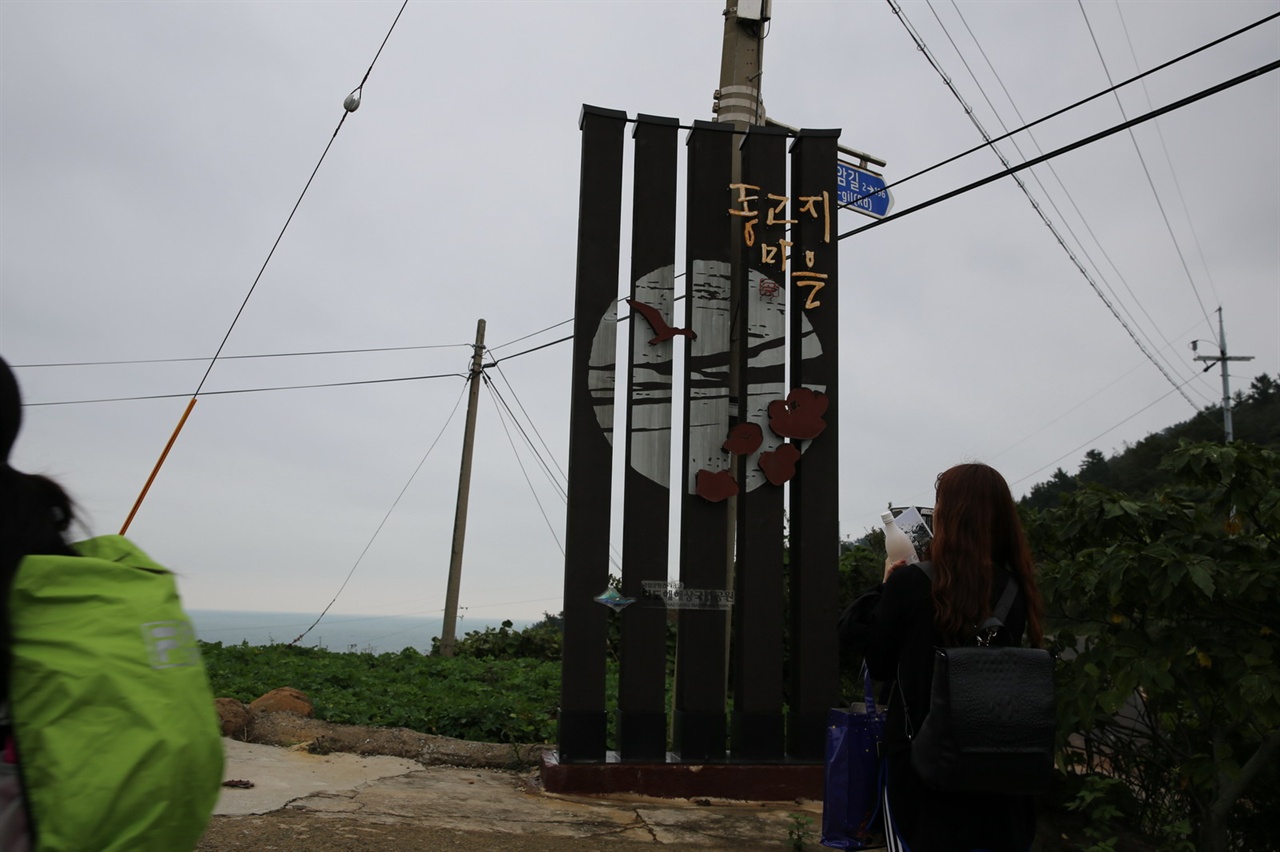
(340, 632)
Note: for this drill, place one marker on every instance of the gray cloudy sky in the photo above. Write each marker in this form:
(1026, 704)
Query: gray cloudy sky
(150, 153)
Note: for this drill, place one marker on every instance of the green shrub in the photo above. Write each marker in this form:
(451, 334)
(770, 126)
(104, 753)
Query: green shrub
(486, 700)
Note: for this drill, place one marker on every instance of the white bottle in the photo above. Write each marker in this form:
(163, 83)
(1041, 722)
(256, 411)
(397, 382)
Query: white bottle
(896, 543)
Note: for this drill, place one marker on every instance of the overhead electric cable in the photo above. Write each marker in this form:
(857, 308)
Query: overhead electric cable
(495, 362)
(1173, 173)
(530, 334)
(532, 425)
(1146, 171)
(546, 468)
(1162, 397)
(1053, 171)
(503, 420)
(1079, 404)
(349, 105)
(1059, 112)
(245, 357)
(385, 517)
(250, 390)
(1271, 66)
(1088, 140)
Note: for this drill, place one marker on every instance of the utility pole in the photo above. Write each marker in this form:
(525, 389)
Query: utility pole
(738, 98)
(448, 633)
(738, 102)
(1222, 358)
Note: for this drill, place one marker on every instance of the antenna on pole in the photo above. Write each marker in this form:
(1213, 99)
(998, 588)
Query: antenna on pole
(1222, 358)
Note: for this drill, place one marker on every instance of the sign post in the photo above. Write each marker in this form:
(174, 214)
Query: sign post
(862, 191)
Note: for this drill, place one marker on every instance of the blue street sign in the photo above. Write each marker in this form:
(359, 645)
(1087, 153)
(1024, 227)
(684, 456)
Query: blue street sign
(862, 191)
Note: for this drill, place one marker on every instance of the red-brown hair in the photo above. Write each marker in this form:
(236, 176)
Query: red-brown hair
(976, 530)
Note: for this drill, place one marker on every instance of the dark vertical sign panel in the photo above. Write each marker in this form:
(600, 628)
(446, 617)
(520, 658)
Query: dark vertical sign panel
(700, 731)
(642, 719)
(815, 533)
(757, 729)
(582, 689)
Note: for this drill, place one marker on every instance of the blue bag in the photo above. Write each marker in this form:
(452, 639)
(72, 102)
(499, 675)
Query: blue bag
(851, 815)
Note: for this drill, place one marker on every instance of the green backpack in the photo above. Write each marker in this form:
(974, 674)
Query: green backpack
(117, 737)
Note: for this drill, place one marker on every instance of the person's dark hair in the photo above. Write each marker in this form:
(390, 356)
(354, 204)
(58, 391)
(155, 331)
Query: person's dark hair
(35, 513)
(976, 529)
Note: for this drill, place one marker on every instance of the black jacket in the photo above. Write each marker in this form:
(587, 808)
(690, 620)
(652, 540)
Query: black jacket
(899, 650)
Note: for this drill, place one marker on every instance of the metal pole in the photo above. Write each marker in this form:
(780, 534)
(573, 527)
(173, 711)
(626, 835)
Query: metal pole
(448, 633)
(1222, 358)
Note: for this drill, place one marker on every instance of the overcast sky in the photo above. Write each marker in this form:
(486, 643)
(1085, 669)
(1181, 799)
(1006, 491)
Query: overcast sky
(151, 152)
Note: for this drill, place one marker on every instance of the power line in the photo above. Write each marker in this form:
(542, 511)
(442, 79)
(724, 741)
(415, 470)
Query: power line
(1078, 405)
(1088, 140)
(1059, 112)
(244, 357)
(1173, 173)
(530, 334)
(249, 390)
(1162, 397)
(495, 362)
(1146, 171)
(1011, 170)
(385, 517)
(532, 426)
(489, 384)
(349, 106)
(1053, 171)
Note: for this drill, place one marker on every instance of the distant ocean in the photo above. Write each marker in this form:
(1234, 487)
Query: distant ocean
(377, 634)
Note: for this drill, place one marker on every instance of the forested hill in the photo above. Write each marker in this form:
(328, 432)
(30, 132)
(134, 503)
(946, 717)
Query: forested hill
(1255, 416)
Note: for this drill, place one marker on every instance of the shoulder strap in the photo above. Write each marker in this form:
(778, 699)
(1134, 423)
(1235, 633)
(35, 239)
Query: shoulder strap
(1003, 606)
(1006, 600)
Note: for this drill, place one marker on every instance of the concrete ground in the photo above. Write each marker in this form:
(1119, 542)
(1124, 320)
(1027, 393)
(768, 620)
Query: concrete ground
(353, 802)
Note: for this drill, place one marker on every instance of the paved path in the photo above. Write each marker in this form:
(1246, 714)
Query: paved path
(352, 802)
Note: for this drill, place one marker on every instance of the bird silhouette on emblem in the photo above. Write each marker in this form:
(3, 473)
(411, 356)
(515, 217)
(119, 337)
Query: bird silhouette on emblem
(658, 324)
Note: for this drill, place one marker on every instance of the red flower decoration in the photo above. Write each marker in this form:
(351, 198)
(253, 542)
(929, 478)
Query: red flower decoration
(744, 439)
(799, 416)
(716, 486)
(779, 466)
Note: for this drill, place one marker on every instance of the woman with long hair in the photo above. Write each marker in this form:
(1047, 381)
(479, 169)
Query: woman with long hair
(978, 545)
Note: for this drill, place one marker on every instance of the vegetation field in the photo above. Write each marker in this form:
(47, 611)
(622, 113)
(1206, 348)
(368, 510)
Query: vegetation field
(487, 700)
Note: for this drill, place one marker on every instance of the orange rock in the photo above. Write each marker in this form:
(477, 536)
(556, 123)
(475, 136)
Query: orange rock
(233, 715)
(285, 699)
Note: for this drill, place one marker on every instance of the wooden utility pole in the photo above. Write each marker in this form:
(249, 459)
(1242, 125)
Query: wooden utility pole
(1222, 358)
(449, 631)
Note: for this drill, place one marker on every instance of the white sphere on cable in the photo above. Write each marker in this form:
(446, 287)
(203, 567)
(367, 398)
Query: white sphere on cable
(352, 103)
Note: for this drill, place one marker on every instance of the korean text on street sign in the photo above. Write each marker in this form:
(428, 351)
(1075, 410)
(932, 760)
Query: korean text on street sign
(860, 190)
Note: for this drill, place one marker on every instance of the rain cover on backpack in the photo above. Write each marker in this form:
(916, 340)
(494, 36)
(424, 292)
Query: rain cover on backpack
(118, 740)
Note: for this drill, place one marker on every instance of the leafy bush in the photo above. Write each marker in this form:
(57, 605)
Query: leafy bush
(486, 700)
(1166, 610)
(541, 641)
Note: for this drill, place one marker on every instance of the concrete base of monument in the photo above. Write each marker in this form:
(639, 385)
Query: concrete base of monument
(674, 779)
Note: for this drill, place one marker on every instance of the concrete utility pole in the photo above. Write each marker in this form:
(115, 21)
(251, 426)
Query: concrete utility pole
(738, 102)
(449, 631)
(1222, 358)
(738, 98)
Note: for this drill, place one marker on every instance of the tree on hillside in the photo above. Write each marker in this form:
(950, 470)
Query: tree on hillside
(1169, 604)
(1045, 495)
(1094, 468)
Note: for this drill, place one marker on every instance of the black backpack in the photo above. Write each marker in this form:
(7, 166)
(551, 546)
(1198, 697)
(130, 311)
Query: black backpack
(992, 713)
